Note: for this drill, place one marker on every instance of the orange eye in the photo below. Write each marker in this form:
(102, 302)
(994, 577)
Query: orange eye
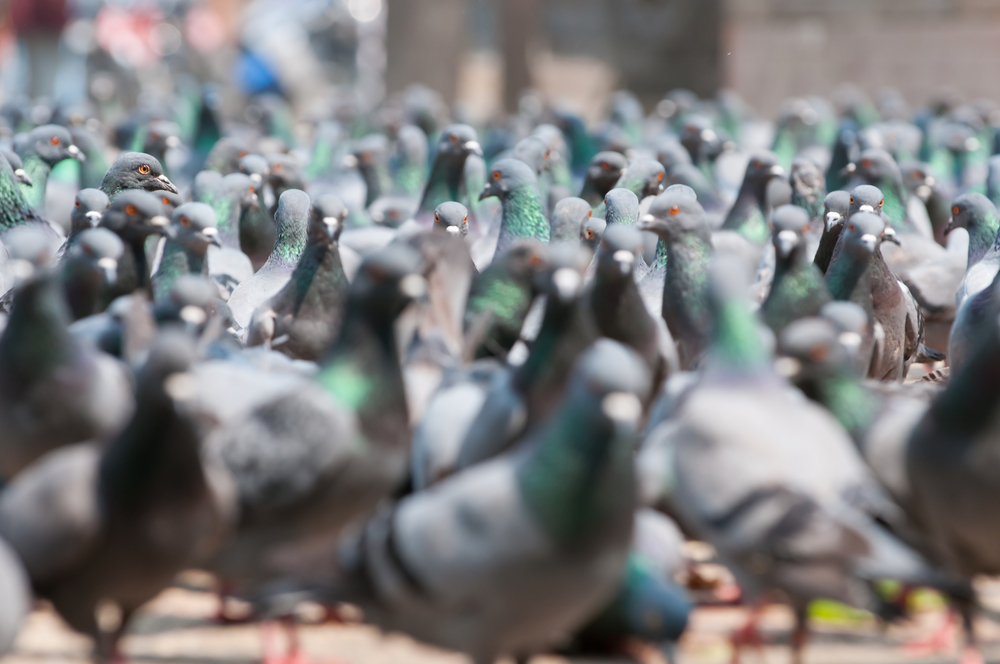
(453, 138)
(55, 140)
(850, 227)
(866, 163)
(466, 220)
(659, 177)
(144, 169)
(437, 219)
(954, 210)
(881, 202)
(276, 168)
(130, 209)
(852, 200)
(535, 260)
(818, 353)
(756, 163)
(605, 165)
(590, 234)
(496, 175)
(675, 210)
(166, 201)
(917, 175)
(185, 221)
(590, 213)
(251, 189)
(78, 205)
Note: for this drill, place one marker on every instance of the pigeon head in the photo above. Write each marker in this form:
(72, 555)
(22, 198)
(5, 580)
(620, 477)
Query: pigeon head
(644, 177)
(387, 281)
(96, 253)
(865, 198)
(605, 168)
(452, 217)
(30, 249)
(134, 215)
(918, 177)
(684, 190)
(762, 168)
(568, 217)
(371, 150)
(508, 176)
(615, 374)
(699, 138)
(256, 168)
(90, 206)
(392, 210)
(534, 152)
(164, 377)
(862, 233)
(674, 214)
(874, 166)
(14, 159)
(592, 232)
(850, 322)
(170, 201)
(326, 219)
(192, 225)
(808, 349)
(973, 212)
(524, 261)
(459, 139)
(553, 139)
(619, 252)
(136, 170)
(672, 154)
(562, 280)
(789, 223)
(52, 143)
(161, 136)
(242, 188)
(836, 208)
(284, 172)
(621, 207)
(806, 177)
(188, 305)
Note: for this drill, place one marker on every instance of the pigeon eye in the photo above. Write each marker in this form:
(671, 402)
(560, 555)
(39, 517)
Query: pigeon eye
(818, 353)
(590, 234)
(605, 165)
(166, 201)
(590, 213)
(466, 220)
(130, 209)
(144, 169)
(881, 202)
(251, 189)
(535, 260)
(917, 175)
(674, 210)
(55, 140)
(850, 227)
(954, 210)
(496, 175)
(659, 177)
(78, 205)
(852, 200)
(866, 163)
(453, 138)
(756, 163)
(185, 221)
(276, 168)
(437, 219)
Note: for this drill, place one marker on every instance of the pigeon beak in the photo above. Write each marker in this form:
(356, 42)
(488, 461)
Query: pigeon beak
(413, 286)
(173, 142)
(160, 224)
(848, 170)
(776, 171)
(473, 147)
(784, 242)
(254, 201)
(950, 226)
(23, 177)
(832, 218)
(850, 340)
(350, 161)
(567, 283)
(707, 135)
(788, 367)
(489, 190)
(647, 222)
(211, 235)
(94, 217)
(257, 179)
(866, 208)
(453, 230)
(109, 269)
(166, 184)
(625, 260)
(889, 235)
(76, 153)
(332, 225)
(868, 241)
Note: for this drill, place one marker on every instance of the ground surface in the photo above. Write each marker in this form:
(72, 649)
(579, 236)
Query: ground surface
(177, 627)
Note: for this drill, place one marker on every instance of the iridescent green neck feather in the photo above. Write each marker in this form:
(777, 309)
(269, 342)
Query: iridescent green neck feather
(523, 217)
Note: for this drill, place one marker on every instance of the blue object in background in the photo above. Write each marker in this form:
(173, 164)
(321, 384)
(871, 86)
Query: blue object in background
(254, 75)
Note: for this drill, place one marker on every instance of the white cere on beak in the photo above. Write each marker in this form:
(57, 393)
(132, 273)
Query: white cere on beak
(109, 266)
(473, 146)
(332, 224)
(787, 366)
(625, 260)
(850, 340)
(159, 221)
(621, 407)
(566, 281)
(777, 170)
(866, 208)
(180, 386)
(707, 135)
(413, 286)
(94, 217)
(868, 241)
(832, 218)
(453, 230)
(257, 179)
(350, 161)
(76, 153)
(210, 231)
(786, 242)
(22, 269)
(173, 142)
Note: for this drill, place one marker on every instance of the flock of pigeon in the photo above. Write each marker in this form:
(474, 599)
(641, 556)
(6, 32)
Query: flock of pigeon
(404, 367)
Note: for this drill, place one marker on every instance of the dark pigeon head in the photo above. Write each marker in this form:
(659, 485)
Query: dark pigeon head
(326, 219)
(53, 143)
(616, 375)
(761, 169)
(865, 198)
(875, 165)
(918, 178)
(135, 215)
(164, 377)
(387, 281)
(95, 254)
(452, 217)
(568, 217)
(809, 351)
(605, 168)
(506, 176)
(619, 252)
(862, 233)
(136, 170)
(836, 207)
(789, 224)
(459, 139)
(192, 225)
(256, 168)
(672, 154)
(674, 214)
(89, 208)
(534, 152)
(562, 279)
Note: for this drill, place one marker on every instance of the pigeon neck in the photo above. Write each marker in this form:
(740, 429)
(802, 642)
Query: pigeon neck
(687, 261)
(982, 237)
(848, 400)
(362, 374)
(289, 243)
(582, 146)
(619, 311)
(736, 342)
(38, 170)
(827, 246)
(846, 271)
(410, 178)
(894, 203)
(318, 273)
(377, 180)
(500, 301)
(590, 193)
(36, 340)
(797, 285)
(523, 217)
(82, 288)
(227, 215)
(175, 263)
(579, 477)
(444, 182)
(747, 217)
(14, 209)
(557, 324)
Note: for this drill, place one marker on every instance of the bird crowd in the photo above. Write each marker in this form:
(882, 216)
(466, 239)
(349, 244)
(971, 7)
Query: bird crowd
(483, 385)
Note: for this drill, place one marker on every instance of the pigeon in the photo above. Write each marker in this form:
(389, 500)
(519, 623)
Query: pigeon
(134, 216)
(977, 215)
(621, 207)
(95, 544)
(14, 159)
(514, 183)
(41, 149)
(15, 210)
(836, 208)
(89, 266)
(552, 521)
(797, 290)
(876, 167)
(135, 170)
(292, 221)
(192, 231)
(455, 145)
(602, 174)
(88, 210)
(303, 318)
(592, 231)
(284, 173)
(748, 215)
(317, 455)
(409, 161)
(256, 223)
(808, 186)
(643, 177)
(453, 218)
(679, 221)
(568, 218)
(922, 183)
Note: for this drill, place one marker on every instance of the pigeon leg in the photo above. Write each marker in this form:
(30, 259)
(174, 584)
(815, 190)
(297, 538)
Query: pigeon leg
(292, 653)
(800, 635)
(749, 634)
